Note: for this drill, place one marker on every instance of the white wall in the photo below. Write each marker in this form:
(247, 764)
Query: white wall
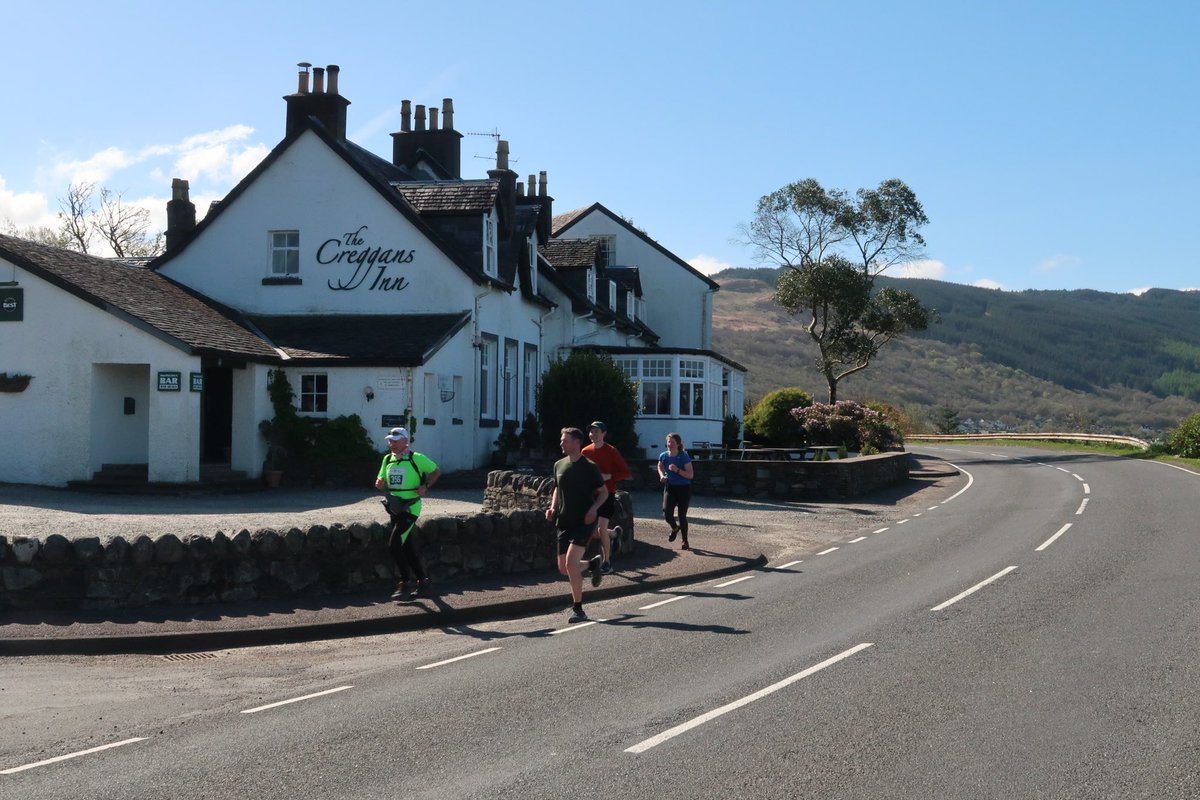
(676, 305)
(49, 431)
(310, 189)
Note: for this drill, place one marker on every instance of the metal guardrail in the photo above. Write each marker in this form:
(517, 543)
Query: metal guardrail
(1033, 437)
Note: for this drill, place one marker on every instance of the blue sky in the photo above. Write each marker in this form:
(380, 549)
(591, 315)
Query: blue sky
(1053, 144)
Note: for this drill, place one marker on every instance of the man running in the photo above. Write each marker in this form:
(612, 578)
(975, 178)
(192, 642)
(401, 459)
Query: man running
(612, 468)
(406, 476)
(578, 492)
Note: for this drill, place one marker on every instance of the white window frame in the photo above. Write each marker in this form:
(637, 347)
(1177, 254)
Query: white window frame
(591, 284)
(511, 378)
(608, 249)
(657, 383)
(533, 270)
(285, 253)
(612, 295)
(490, 262)
(530, 373)
(489, 354)
(630, 305)
(691, 387)
(314, 393)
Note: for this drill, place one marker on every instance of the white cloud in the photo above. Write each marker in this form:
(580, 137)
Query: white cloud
(927, 268)
(24, 209)
(96, 169)
(708, 265)
(988, 283)
(1058, 262)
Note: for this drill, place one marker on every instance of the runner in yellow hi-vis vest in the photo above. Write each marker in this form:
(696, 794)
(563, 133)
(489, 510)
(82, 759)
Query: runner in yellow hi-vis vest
(406, 476)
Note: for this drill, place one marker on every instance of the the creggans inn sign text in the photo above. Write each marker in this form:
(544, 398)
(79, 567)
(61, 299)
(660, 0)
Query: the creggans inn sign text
(368, 262)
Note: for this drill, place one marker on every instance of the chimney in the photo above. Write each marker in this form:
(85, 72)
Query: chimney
(542, 183)
(507, 194)
(537, 193)
(532, 192)
(502, 154)
(328, 107)
(441, 143)
(181, 214)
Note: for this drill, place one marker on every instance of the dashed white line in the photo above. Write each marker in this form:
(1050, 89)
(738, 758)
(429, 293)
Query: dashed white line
(460, 658)
(732, 582)
(1087, 489)
(1063, 469)
(671, 733)
(827, 552)
(1078, 477)
(577, 626)
(881, 530)
(931, 508)
(296, 699)
(856, 541)
(901, 522)
(1050, 541)
(1082, 506)
(790, 564)
(56, 759)
(973, 589)
(919, 513)
(662, 602)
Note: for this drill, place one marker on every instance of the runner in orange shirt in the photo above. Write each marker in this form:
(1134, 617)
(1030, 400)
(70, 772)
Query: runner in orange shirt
(612, 468)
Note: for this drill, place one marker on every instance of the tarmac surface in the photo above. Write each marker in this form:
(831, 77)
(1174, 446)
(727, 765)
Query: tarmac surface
(728, 535)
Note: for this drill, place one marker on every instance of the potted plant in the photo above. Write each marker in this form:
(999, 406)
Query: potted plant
(15, 382)
(531, 435)
(507, 442)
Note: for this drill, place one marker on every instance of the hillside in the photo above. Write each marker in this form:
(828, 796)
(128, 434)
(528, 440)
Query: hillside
(1032, 360)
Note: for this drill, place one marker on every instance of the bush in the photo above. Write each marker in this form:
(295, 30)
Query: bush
(771, 423)
(584, 387)
(850, 424)
(342, 439)
(1184, 441)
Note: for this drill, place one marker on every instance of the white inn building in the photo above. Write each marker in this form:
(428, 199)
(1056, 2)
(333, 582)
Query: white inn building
(383, 287)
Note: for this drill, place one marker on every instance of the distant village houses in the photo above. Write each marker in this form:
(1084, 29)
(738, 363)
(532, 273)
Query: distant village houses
(391, 288)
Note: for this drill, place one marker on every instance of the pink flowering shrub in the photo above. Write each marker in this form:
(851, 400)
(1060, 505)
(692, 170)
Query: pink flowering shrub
(848, 423)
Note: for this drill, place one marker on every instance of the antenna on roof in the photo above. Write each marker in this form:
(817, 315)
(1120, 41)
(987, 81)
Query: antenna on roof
(495, 134)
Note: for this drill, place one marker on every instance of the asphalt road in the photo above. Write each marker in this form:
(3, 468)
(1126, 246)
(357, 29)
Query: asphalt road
(1030, 631)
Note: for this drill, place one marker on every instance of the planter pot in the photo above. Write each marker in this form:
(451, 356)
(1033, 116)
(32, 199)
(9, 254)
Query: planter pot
(272, 477)
(16, 383)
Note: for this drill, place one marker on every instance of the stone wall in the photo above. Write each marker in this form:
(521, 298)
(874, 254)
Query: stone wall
(510, 535)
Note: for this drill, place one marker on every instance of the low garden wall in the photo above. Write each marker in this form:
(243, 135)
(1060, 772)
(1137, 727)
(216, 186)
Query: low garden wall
(510, 535)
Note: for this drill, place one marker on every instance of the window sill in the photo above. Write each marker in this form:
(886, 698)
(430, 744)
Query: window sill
(289, 280)
(489, 423)
(428, 421)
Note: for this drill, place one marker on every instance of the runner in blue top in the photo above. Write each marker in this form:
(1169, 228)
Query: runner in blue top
(675, 473)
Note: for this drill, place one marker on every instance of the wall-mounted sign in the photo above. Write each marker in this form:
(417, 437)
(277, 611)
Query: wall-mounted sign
(369, 262)
(12, 304)
(389, 382)
(169, 381)
(392, 421)
(197, 382)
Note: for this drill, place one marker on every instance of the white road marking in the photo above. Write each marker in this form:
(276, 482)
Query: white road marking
(1063, 469)
(56, 759)
(671, 733)
(296, 699)
(973, 589)
(827, 552)
(856, 541)
(1050, 541)
(901, 522)
(997, 455)
(1082, 506)
(970, 480)
(663, 602)
(460, 658)
(881, 530)
(577, 626)
(1087, 489)
(919, 513)
(789, 564)
(732, 582)
(931, 508)
(1077, 477)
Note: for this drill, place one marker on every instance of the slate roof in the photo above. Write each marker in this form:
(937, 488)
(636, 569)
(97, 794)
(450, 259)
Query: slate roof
(141, 296)
(403, 340)
(450, 197)
(570, 253)
(564, 219)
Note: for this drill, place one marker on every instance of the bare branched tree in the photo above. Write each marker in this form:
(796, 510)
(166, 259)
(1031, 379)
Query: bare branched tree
(74, 214)
(124, 228)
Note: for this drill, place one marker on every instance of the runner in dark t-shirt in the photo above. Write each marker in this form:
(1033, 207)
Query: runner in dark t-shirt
(578, 493)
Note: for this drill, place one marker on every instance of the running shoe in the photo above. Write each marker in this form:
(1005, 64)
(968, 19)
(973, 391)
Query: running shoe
(594, 563)
(577, 616)
(674, 533)
(422, 588)
(606, 568)
(403, 590)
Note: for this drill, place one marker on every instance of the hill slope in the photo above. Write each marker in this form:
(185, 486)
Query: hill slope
(1032, 360)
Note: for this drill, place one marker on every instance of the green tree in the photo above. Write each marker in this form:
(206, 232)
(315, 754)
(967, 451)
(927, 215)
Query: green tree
(945, 420)
(1185, 440)
(810, 230)
(583, 387)
(770, 422)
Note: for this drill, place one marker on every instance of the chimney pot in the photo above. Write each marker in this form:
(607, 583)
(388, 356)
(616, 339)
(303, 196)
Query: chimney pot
(502, 154)
(532, 186)
(318, 80)
(179, 189)
(520, 189)
(433, 112)
(420, 116)
(333, 70)
(542, 187)
(447, 113)
(302, 85)
(406, 116)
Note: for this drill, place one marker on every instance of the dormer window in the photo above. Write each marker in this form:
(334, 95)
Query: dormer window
(630, 305)
(612, 295)
(489, 245)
